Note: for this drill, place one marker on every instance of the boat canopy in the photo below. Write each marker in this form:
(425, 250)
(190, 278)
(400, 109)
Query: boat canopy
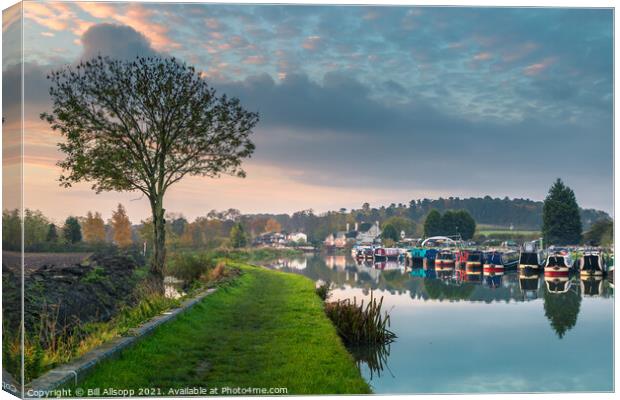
(440, 239)
(528, 258)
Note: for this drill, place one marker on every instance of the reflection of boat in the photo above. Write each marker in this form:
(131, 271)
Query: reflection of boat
(386, 265)
(493, 281)
(557, 284)
(473, 278)
(592, 263)
(591, 285)
(529, 284)
(445, 260)
(336, 262)
(444, 273)
(473, 265)
(417, 272)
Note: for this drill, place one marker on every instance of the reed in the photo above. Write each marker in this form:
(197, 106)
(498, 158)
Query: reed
(324, 290)
(361, 324)
(374, 356)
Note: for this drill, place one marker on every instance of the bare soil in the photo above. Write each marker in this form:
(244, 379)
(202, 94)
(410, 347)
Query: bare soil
(33, 261)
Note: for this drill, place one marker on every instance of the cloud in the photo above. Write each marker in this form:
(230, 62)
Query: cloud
(483, 56)
(55, 16)
(339, 135)
(311, 42)
(116, 41)
(537, 68)
(135, 15)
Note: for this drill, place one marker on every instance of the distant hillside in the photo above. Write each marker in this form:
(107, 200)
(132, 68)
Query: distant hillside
(521, 213)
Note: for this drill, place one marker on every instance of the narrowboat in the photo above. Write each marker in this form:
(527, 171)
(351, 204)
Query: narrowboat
(445, 260)
(591, 263)
(461, 258)
(364, 253)
(497, 262)
(416, 257)
(557, 284)
(591, 285)
(558, 263)
(473, 264)
(386, 253)
(531, 259)
(429, 258)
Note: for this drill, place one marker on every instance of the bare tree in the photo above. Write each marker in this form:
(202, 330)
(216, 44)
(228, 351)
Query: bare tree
(143, 125)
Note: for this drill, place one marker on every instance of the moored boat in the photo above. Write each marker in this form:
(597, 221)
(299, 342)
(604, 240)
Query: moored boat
(386, 253)
(531, 258)
(429, 258)
(558, 263)
(416, 257)
(592, 263)
(473, 264)
(445, 260)
(499, 261)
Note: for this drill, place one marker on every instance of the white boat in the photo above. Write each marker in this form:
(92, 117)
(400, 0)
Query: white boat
(559, 262)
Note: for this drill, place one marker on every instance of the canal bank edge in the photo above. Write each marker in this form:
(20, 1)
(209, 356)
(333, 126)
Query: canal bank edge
(267, 330)
(76, 370)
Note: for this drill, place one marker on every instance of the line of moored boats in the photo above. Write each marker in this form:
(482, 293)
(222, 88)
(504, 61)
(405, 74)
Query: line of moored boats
(556, 262)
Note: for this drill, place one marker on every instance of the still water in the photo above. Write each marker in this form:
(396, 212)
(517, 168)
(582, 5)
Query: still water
(459, 334)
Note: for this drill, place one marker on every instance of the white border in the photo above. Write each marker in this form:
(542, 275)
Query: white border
(475, 3)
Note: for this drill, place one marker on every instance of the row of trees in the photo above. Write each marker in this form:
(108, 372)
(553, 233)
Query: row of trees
(39, 231)
(451, 223)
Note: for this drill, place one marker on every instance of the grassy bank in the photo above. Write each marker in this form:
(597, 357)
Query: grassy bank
(266, 330)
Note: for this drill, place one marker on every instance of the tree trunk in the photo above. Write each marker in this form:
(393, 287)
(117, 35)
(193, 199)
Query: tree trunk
(159, 247)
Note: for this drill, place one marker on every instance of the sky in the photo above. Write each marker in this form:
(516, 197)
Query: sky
(357, 104)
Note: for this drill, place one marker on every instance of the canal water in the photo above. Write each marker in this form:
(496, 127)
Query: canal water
(459, 334)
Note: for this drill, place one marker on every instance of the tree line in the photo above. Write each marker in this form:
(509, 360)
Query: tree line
(562, 224)
(41, 234)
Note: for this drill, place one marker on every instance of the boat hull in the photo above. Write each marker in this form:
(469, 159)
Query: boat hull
(493, 269)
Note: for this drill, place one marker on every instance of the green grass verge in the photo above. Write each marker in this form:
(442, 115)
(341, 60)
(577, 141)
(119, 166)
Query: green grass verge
(267, 329)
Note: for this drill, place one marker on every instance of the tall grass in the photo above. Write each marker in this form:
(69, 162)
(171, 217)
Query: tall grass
(189, 267)
(54, 344)
(361, 324)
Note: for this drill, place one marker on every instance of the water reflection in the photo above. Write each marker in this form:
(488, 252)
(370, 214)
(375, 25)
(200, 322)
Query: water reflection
(519, 315)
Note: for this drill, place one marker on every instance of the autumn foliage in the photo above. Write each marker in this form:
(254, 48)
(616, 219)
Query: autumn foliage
(121, 227)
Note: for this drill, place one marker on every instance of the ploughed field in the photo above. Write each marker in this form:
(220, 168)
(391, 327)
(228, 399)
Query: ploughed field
(33, 261)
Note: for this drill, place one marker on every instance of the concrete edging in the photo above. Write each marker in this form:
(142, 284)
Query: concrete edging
(76, 369)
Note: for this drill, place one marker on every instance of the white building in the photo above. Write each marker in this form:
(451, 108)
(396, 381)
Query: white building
(298, 237)
(370, 236)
